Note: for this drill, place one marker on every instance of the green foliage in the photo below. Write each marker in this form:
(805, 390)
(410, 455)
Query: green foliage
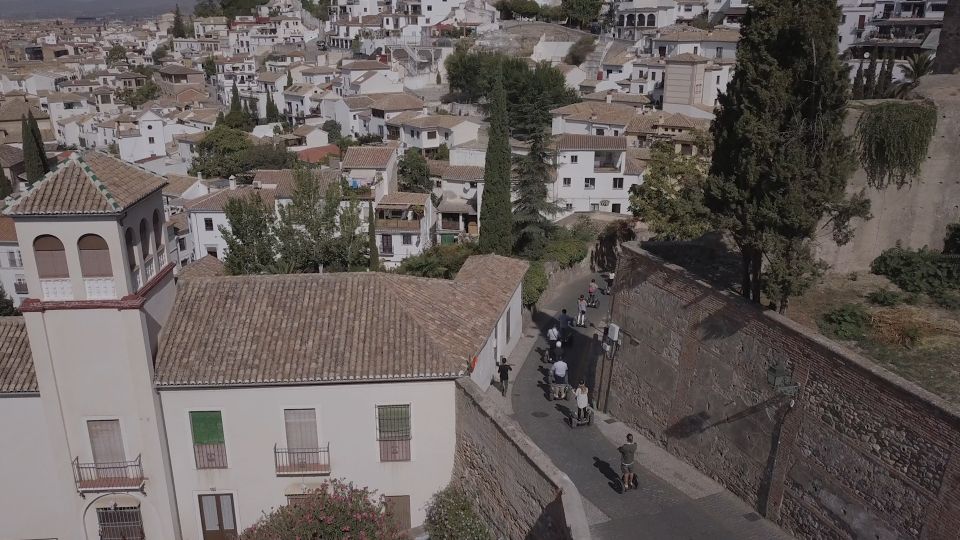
(701, 21)
(951, 242)
(917, 66)
(893, 139)
(670, 200)
(250, 235)
(413, 172)
(521, 8)
(34, 156)
(885, 297)
(781, 160)
(207, 8)
(534, 283)
(849, 321)
(884, 79)
(452, 516)
(335, 510)
(137, 97)
(947, 299)
(442, 153)
(319, 8)
(581, 12)
(441, 261)
(273, 113)
(496, 235)
(179, 29)
(567, 247)
(232, 8)
(857, 92)
(531, 93)
(116, 54)
(6, 305)
(870, 76)
(532, 208)
(334, 132)
(226, 151)
(372, 239)
(160, 52)
(919, 271)
(6, 187)
(209, 67)
(580, 50)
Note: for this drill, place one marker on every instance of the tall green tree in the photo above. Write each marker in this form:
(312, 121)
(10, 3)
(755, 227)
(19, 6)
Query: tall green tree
(234, 98)
(116, 54)
(289, 80)
(209, 67)
(857, 92)
(273, 113)
(249, 238)
(413, 172)
(372, 238)
(6, 188)
(870, 76)
(885, 78)
(237, 118)
(352, 245)
(6, 305)
(781, 160)
(532, 209)
(34, 158)
(38, 137)
(670, 199)
(581, 12)
(179, 29)
(496, 234)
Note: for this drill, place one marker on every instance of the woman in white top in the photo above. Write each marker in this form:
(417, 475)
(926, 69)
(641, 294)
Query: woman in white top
(583, 401)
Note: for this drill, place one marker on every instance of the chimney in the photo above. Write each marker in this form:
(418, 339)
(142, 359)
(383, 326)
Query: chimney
(609, 96)
(233, 182)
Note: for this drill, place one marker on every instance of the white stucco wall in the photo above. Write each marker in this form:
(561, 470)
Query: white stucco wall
(253, 422)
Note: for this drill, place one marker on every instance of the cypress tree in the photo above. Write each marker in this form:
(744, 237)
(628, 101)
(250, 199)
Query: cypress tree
(289, 80)
(38, 136)
(6, 188)
(885, 78)
(32, 157)
(533, 208)
(235, 98)
(858, 83)
(496, 235)
(781, 159)
(6, 305)
(273, 114)
(870, 77)
(372, 233)
(179, 30)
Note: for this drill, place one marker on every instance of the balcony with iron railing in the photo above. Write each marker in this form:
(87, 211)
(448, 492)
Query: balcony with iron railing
(302, 461)
(396, 224)
(113, 476)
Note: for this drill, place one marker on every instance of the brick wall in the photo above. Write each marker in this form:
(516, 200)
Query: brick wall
(517, 489)
(858, 453)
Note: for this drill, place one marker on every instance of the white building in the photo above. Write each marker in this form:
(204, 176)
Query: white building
(12, 277)
(405, 226)
(193, 434)
(594, 174)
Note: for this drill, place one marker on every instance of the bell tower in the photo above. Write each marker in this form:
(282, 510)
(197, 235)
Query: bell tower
(94, 254)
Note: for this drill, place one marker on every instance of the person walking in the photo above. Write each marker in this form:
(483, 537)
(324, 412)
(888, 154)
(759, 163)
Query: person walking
(582, 312)
(553, 337)
(628, 452)
(583, 401)
(504, 375)
(592, 293)
(559, 378)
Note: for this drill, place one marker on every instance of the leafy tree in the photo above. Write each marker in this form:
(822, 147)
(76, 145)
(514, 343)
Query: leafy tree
(207, 8)
(580, 50)
(670, 200)
(226, 151)
(532, 208)
(581, 12)
(249, 237)
(209, 67)
(885, 78)
(451, 514)
(289, 80)
(234, 98)
(372, 238)
(351, 251)
(702, 21)
(535, 281)
(6, 305)
(951, 242)
(237, 118)
(443, 261)
(137, 97)
(34, 157)
(332, 127)
(870, 77)
(335, 510)
(160, 52)
(308, 225)
(442, 153)
(495, 229)
(917, 66)
(781, 161)
(179, 29)
(857, 92)
(413, 172)
(116, 54)
(6, 188)
(273, 113)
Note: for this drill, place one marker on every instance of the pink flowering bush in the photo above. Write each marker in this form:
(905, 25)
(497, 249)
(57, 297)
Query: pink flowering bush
(336, 510)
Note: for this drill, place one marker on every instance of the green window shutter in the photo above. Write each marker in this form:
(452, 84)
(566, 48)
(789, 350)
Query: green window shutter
(207, 427)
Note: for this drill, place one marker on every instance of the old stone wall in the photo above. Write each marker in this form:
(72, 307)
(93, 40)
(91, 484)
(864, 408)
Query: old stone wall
(517, 488)
(857, 453)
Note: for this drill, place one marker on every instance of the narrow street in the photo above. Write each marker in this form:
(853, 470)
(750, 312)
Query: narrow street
(673, 501)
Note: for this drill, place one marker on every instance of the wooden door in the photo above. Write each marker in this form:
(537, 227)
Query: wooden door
(106, 442)
(217, 519)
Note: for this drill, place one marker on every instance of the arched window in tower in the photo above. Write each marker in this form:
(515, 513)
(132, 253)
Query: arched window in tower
(52, 268)
(145, 251)
(651, 20)
(158, 239)
(96, 268)
(132, 260)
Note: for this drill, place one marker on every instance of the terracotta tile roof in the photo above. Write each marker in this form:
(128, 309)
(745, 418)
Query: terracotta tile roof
(285, 181)
(456, 173)
(15, 109)
(10, 155)
(368, 157)
(364, 65)
(207, 266)
(178, 183)
(177, 69)
(179, 223)
(318, 153)
(597, 111)
(88, 183)
(433, 121)
(636, 161)
(618, 98)
(217, 201)
(395, 101)
(402, 198)
(8, 231)
(315, 328)
(16, 361)
(569, 141)
(687, 58)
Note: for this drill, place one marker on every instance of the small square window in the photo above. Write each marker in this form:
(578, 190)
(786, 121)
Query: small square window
(615, 208)
(407, 239)
(618, 183)
(473, 185)
(589, 183)
(574, 159)
(208, 224)
(151, 140)
(567, 182)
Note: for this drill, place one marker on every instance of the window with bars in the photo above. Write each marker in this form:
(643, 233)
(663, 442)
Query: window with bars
(393, 432)
(120, 523)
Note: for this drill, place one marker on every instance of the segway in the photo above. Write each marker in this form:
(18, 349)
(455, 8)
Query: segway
(576, 422)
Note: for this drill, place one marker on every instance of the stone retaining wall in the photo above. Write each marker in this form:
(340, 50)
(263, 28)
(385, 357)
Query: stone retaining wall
(517, 488)
(857, 453)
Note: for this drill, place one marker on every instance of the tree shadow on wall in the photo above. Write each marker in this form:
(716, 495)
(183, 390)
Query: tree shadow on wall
(698, 423)
(708, 257)
(606, 252)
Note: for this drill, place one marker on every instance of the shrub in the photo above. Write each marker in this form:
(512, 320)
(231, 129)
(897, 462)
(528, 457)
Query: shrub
(922, 270)
(849, 321)
(951, 243)
(580, 50)
(534, 283)
(565, 249)
(442, 261)
(451, 516)
(885, 297)
(336, 510)
(947, 299)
